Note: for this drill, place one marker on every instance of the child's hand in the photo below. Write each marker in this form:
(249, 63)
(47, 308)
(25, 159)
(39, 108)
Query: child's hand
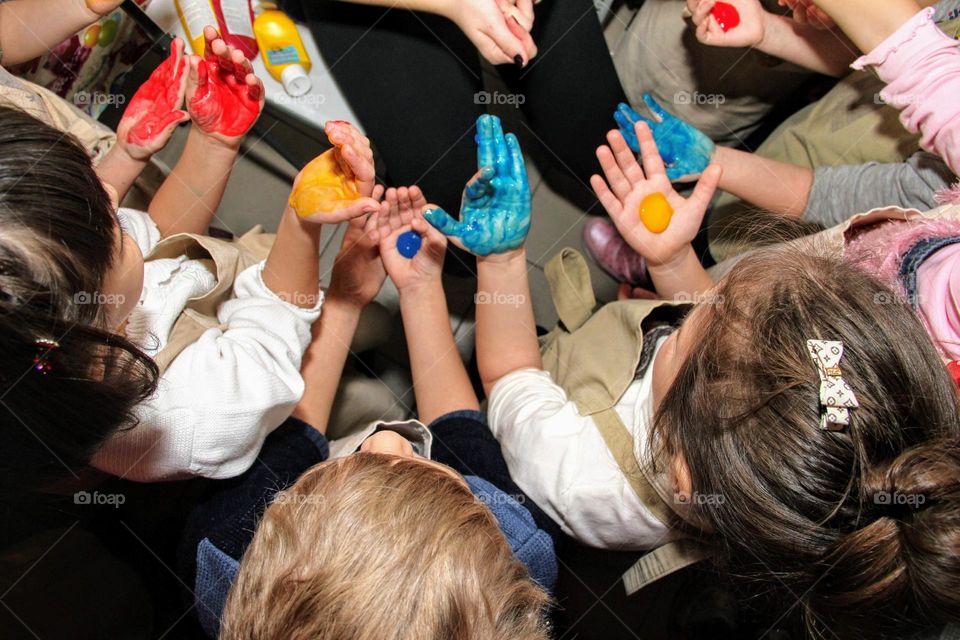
(224, 95)
(749, 33)
(102, 7)
(154, 111)
(685, 149)
(358, 272)
(400, 213)
(627, 184)
(806, 12)
(495, 215)
(339, 184)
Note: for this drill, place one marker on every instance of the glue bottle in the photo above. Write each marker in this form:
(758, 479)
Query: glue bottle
(232, 18)
(282, 48)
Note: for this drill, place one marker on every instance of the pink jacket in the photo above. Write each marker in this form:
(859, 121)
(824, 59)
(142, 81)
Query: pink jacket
(921, 66)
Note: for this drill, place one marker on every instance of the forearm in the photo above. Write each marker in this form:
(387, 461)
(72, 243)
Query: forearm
(864, 24)
(29, 28)
(682, 277)
(324, 360)
(506, 330)
(189, 197)
(440, 7)
(827, 52)
(778, 187)
(119, 169)
(440, 380)
(292, 270)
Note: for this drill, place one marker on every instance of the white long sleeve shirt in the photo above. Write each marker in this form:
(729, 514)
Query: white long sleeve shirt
(222, 395)
(559, 459)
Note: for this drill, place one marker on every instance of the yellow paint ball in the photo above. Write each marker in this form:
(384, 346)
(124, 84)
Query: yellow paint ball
(655, 212)
(326, 184)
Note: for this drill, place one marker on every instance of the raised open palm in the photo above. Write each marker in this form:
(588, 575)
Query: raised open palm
(627, 184)
(495, 214)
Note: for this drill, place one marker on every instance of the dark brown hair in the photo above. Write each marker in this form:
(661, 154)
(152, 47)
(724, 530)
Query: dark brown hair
(855, 531)
(57, 241)
(374, 546)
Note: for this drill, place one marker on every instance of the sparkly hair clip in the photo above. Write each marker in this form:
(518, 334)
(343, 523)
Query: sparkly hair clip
(836, 396)
(41, 361)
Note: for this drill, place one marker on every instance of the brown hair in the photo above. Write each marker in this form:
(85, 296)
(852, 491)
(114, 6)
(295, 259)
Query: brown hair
(372, 546)
(57, 242)
(820, 520)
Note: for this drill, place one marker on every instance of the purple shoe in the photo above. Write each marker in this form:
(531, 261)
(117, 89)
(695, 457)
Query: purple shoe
(612, 253)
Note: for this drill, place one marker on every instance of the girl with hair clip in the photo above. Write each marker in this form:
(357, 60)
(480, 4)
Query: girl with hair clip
(787, 426)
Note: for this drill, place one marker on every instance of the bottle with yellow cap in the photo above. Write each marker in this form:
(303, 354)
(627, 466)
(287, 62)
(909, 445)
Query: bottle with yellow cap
(282, 48)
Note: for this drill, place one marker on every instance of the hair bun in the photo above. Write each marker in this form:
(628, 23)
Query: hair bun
(903, 566)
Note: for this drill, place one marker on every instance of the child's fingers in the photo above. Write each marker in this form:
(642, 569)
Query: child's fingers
(378, 190)
(611, 170)
(706, 187)
(649, 153)
(433, 240)
(417, 198)
(625, 157)
(609, 201)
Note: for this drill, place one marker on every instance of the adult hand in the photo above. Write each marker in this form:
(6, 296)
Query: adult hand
(154, 111)
(495, 214)
(489, 29)
(627, 184)
(686, 150)
(224, 95)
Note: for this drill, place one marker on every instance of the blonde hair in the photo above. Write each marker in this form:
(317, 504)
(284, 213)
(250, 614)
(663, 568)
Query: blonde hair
(372, 546)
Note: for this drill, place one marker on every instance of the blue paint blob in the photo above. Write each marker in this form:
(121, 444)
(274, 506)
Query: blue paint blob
(409, 243)
(685, 149)
(495, 216)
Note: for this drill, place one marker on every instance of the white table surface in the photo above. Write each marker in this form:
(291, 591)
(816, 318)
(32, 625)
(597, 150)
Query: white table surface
(323, 102)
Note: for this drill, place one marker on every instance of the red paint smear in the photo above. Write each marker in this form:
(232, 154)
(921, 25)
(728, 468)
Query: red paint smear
(954, 369)
(158, 99)
(726, 15)
(223, 102)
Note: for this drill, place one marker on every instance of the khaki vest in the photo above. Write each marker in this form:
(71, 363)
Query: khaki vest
(225, 259)
(593, 355)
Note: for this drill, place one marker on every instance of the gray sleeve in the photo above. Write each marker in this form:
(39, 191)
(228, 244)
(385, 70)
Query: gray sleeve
(841, 192)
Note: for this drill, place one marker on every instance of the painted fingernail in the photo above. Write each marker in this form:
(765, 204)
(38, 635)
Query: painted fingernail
(518, 60)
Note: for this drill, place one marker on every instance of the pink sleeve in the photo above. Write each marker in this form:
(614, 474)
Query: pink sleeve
(921, 66)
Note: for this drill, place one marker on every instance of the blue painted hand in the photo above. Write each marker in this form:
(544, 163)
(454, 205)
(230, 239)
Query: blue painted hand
(495, 214)
(685, 149)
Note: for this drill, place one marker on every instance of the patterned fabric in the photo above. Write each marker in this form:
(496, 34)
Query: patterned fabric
(836, 396)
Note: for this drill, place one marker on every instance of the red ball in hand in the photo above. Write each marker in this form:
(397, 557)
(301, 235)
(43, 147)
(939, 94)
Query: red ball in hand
(726, 15)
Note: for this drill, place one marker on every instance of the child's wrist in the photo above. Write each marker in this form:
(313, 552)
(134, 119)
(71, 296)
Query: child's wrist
(214, 142)
(673, 263)
(420, 289)
(504, 259)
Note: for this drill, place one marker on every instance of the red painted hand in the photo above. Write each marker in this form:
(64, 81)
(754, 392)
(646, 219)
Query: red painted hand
(154, 111)
(224, 96)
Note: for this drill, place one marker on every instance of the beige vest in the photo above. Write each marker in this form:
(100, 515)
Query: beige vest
(225, 259)
(593, 354)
